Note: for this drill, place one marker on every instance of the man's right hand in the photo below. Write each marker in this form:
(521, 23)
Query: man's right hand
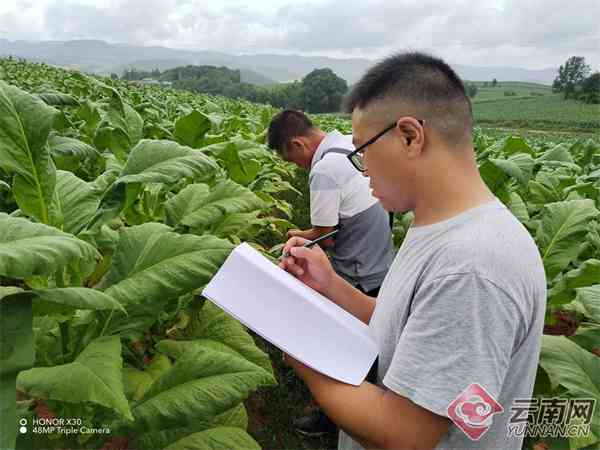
(309, 265)
(312, 267)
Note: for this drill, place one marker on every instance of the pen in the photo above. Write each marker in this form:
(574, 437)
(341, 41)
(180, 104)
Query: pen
(311, 243)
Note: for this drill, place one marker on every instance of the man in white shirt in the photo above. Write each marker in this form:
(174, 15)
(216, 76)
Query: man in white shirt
(340, 197)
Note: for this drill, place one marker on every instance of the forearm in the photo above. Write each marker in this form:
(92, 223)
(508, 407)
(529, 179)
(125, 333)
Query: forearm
(345, 405)
(351, 299)
(374, 417)
(310, 234)
(316, 232)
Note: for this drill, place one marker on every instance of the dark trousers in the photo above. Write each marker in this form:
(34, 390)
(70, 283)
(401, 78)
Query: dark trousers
(371, 293)
(372, 375)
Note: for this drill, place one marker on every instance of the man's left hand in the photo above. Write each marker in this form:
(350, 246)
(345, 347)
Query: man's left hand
(292, 233)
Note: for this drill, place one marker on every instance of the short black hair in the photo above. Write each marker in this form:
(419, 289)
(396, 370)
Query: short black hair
(286, 125)
(422, 81)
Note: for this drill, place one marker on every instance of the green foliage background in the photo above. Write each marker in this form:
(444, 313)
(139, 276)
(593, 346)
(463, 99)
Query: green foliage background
(119, 202)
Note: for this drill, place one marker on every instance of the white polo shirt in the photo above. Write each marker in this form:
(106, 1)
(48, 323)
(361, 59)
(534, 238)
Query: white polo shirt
(337, 189)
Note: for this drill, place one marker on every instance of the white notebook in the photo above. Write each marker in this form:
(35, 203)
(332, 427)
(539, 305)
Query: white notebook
(292, 316)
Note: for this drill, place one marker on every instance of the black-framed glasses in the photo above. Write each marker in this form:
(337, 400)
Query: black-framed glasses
(356, 157)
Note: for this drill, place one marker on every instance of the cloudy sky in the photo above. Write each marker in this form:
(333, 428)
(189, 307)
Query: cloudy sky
(532, 34)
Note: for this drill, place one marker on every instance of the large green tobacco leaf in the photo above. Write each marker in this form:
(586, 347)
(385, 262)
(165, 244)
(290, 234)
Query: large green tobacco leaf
(65, 300)
(16, 354)
(243, 226)
(544, 189)
(503, 147)
(55, 98)
(199, 386)
(190, 198)
(584, 152)
(76, 201)
(213, 323)
(25, 122)
(129, 121)
(241, 158)
(191, 128)
(121, 128)
(497, 172)
(197, 206)
(152, 161)
(587, 303)
(114, 195)
(221, 438)
(558, 153)
(588, 336)
(89, 114)
(66, 148)
(235, 417)
(515, 144)
(587, 274)
(94, 376)
(562, 230)
(519, 166)
(110, 175)
(28, 249)
(585, 189)
(178, 349)
(164, 262)
(165, 162)
(574, 368)
(518, 207)
(137, 382)
(113, 139)
(153, 265)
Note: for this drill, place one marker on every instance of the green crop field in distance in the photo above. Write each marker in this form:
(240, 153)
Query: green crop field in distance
(520, 89)
(548, 112)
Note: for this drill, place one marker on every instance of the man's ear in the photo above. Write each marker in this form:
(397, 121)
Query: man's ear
(411, 135)
(296, 143)
(408, 131)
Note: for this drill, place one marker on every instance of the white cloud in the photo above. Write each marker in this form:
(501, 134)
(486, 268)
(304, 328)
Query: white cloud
(526, 33)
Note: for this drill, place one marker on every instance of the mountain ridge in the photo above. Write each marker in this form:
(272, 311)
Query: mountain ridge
(101, 57)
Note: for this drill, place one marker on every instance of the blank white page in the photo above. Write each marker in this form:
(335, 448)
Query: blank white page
(292, 316)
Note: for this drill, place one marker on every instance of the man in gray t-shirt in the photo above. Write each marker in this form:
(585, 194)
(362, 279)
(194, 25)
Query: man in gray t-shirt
(459, 317)
(477, 275)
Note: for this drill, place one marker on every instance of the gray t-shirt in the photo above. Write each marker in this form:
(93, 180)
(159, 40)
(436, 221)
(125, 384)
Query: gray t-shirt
(463, 303)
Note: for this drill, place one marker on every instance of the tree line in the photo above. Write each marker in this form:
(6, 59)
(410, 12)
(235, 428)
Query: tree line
(575, 81)
(320, 91)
